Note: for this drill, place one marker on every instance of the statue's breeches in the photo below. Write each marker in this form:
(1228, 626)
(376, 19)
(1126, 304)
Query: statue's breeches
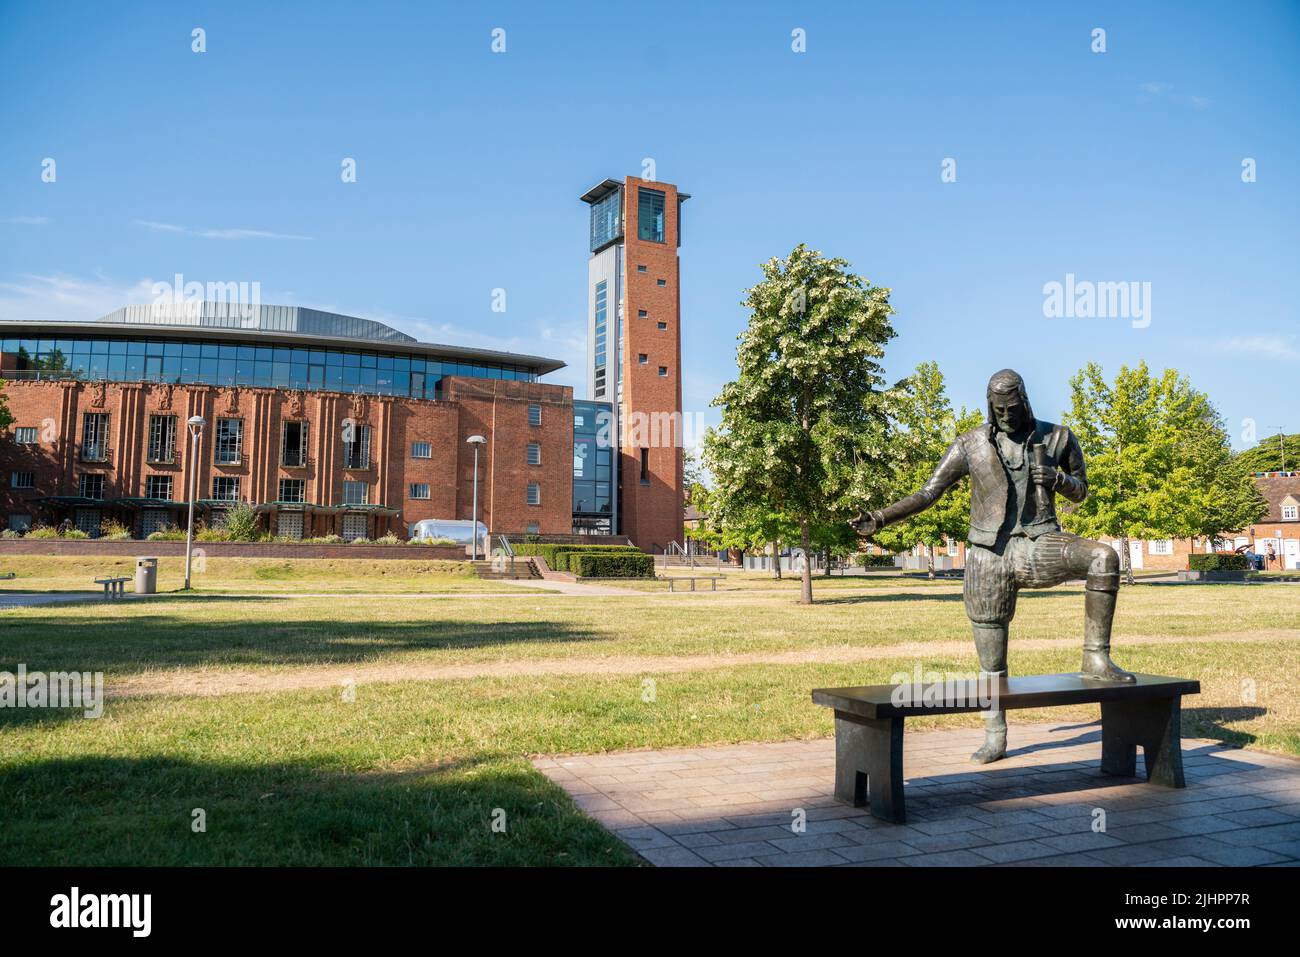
(994, 574)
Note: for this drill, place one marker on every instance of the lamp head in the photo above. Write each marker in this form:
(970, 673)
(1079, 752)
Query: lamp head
(476, 440)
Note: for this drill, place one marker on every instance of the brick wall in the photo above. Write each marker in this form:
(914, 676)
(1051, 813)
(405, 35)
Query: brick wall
(652, 508)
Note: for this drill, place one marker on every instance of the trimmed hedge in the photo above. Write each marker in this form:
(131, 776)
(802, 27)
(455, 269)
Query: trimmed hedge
(876, 561)
(558, 557)
(612, 565)
(1218, 563)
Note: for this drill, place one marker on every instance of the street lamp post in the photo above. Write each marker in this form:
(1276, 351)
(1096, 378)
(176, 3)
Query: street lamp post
(476, 441)
(195, 424)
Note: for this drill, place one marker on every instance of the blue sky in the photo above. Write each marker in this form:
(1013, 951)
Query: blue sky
(1122, 166)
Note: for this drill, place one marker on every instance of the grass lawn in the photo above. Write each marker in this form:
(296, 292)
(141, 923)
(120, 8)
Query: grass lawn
(413, 769)
(244, 575)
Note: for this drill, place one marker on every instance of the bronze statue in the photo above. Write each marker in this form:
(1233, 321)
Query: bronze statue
(1017, 464)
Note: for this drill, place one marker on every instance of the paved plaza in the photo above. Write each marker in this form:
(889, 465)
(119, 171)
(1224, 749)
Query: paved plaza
(1046, 804)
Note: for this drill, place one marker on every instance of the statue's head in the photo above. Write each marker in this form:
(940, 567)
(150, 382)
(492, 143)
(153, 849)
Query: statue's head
(1009, 408)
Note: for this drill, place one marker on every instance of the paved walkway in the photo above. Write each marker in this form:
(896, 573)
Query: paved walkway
(28, 599)
(569, 588)
(734, 805)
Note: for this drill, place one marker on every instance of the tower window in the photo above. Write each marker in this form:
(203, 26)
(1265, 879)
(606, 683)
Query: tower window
(642, 359)
(534, 494)
(663, 370)
(642, 313)
(640, 268)
(534, 415)
(650, 215)
(534, 453)
(661, 325)
(645, 466)
(661, 282)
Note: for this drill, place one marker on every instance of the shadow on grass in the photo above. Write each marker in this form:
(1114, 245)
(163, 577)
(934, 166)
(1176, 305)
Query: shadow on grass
(102, 811)
(145, 641)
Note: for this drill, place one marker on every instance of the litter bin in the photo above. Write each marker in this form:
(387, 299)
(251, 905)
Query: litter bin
(146, 576)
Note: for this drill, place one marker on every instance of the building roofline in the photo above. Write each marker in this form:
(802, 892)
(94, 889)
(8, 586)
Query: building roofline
(57, 328)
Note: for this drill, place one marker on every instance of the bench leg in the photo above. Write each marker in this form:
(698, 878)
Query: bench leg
(692, 584)
(1156, 727)
(869, 765)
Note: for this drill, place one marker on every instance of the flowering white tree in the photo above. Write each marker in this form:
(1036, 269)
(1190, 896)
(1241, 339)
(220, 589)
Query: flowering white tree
(804, 424)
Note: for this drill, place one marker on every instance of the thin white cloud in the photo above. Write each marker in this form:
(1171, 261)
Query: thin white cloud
(34, 298)
(1261, 347)
(215, 233)
(1158, 89)
(29, 220)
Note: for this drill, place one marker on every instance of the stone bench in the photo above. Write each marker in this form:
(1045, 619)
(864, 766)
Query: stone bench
(869, 727)
(113, 587)
(712, 579)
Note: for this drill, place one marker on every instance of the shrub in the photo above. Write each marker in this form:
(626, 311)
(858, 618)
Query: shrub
(1217, 563)
(874, 561)
(326, 540)
(169, 534)
(612, 565)
(389, 539)
(241, 524)
(113, 530)
(206, 534)
(42, 531)
(432, 541)
(9, 533)
(74, 533)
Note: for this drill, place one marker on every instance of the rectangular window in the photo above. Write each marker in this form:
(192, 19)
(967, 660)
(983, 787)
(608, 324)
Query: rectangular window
(421, 450)
(162, 438)
(356, 447)
(19, 523)
(419, 490)
(606, 219)
(225, 488)
(640, 269)
(650, 215)
(533, 528)
(642, 359)
(642, 313)
(294, 444)
(645, 466)
(158, 486)
(91, 486)
(534, 494)
(94, 437)
(292, 490)
(1289, 512)
(1161, 546)
(663, 370)
(534, 415)
(534, 453)
(25, 436)
(230, 441)
(355, 493)
(22, 480)
(661, 282)
(661, 325)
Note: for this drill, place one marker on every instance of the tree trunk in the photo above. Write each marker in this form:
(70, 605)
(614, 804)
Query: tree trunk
(929, 562)
(776, 558)
(827, 573)
(805, 574)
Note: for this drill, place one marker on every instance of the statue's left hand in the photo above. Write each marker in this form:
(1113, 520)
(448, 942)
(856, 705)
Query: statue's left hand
(1044, 475)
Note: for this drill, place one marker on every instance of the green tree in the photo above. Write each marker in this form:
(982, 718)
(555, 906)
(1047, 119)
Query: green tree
(6, 417)
(928, 428)
(804, 424)
(1159, 460)
(1277, 453)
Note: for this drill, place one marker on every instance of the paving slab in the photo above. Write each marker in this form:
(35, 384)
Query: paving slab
(1046, 804)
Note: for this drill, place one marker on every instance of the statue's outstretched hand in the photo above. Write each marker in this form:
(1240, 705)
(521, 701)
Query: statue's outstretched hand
(867, 523)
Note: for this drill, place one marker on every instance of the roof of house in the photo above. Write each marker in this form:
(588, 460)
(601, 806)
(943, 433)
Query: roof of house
(1276, 486)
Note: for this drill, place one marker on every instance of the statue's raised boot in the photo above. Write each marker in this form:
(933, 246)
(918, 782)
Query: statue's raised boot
(1099, 609)
(995, 739)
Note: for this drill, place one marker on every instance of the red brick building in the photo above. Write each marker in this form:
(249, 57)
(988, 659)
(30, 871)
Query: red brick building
(635, 349)
(323, 434)
(330, 424)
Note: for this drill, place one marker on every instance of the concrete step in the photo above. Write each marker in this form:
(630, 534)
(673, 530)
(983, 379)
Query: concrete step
(490, 570)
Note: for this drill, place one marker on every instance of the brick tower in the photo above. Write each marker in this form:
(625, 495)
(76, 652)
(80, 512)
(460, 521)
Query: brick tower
(634, 352)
